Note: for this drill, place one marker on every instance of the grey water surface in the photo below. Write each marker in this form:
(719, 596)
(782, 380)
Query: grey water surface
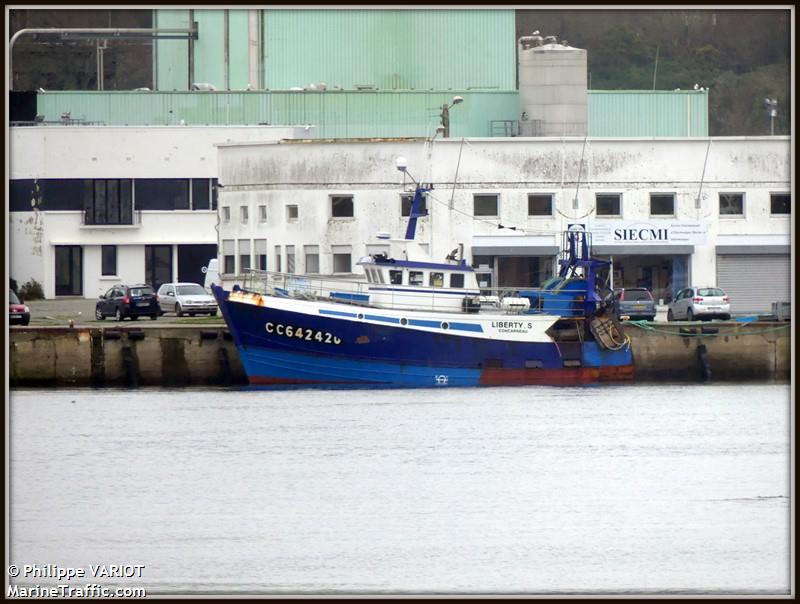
(604, 489)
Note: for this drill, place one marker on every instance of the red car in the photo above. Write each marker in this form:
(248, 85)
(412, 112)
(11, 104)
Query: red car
(17, 311)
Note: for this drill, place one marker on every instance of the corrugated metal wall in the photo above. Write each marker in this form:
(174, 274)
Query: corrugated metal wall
(634, 113)
(416, 49)
(390, 49)
(336, 114)
(356, 114)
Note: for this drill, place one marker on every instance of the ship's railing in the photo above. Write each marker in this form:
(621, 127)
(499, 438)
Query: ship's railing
(508, 300)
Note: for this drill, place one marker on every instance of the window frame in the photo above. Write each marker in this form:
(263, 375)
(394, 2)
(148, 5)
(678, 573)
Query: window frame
(352, 214)
(719, 204)
(410, 198)
(552, 204)
(772, 197)
(475, 197)
(289, 217)
(103, 266)
(674, 205)
(597, 205)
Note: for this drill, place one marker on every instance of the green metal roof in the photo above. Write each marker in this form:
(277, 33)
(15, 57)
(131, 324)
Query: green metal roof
(346, 114)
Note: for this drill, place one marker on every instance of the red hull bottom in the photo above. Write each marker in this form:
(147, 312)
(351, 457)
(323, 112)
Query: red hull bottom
(556, 377)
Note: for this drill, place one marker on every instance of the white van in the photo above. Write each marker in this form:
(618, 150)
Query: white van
(212, 274)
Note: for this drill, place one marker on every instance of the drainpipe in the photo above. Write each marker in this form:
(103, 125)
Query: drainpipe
(98, 33)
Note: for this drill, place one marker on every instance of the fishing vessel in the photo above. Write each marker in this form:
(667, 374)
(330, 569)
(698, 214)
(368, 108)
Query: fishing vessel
(414, 322)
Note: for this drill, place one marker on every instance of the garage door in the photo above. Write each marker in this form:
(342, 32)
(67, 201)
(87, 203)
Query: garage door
(754, 282)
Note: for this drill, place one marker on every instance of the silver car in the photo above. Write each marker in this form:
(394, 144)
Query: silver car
(699, 303)
(186, 298)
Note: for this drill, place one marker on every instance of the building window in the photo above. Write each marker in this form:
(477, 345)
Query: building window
(162, 193)
(291, 213)
(342, 206)
(244, 255)
(201, 193)
(278, 258)
(731, 204)
(290, 268)
(485, 205)
(405, 204)
(228, 256)
(342, 262)
(261, 254)
(608, 204)
(312, 258)
(662, 204)
(540, 204)
(780, 203)
(244, 213)
(262, 213)
(108, 259)
(107, 201)
(226, 214)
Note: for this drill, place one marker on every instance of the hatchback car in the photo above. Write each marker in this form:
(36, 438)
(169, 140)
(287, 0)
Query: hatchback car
(186, 298)
(18, 313)
(132, 301)
(635, 303)
(699, 303)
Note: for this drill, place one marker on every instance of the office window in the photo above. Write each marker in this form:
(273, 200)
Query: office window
(342, 261)
(201, 193)
(107, 201)
(262, 213)
(244, 255)
(162, 193)
(312, 258)
(608, 204)
(228, 256)
(261, 254)
(108, 259)
(244, 213)
(406, 201)
(731, 204)
(540, 204)
(278, 258)
(291, 212)
(780, 203)
(341, 206)
(485, 205)
(662, 204)
(226, 214)
(290, 259)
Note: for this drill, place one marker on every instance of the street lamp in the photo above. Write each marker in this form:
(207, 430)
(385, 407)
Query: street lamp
(772, 109)
(446, 115)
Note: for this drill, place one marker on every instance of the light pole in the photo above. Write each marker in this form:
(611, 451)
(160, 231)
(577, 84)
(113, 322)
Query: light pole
(772, 109)
(446, 115)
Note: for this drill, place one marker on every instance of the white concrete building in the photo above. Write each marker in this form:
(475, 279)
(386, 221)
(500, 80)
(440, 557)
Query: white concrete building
(91, 206)
(668, 212)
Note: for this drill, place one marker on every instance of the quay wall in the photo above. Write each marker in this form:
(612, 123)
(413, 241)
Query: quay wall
(178, 356)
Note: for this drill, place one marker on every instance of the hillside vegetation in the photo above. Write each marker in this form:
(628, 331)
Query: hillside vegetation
(741, 56)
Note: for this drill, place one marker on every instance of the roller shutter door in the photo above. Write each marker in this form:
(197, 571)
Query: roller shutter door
(754, 282)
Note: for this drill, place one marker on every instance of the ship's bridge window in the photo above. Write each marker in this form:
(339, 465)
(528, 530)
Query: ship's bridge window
(415, 278)
(437, 280)
(378, 275)
(396, 277)
(368, 274)
(456, 279)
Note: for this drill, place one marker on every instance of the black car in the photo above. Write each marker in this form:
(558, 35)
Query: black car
(636, 303)
(132, 301)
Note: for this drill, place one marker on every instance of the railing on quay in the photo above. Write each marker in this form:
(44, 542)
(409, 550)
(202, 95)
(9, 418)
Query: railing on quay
(505, 300)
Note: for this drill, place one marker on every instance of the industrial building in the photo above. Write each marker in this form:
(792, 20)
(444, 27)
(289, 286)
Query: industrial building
(536, 154)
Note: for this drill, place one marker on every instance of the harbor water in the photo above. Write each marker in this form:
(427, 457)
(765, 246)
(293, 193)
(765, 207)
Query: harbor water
(532, 490)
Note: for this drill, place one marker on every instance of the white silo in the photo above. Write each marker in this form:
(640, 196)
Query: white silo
(552, 87)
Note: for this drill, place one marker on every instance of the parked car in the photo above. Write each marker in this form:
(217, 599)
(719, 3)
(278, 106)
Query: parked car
(186, 298)
(18, 313)
(635, 303)
(132, 301)
(693, 303)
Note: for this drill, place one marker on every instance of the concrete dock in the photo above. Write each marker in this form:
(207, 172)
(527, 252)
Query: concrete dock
(152, 353)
